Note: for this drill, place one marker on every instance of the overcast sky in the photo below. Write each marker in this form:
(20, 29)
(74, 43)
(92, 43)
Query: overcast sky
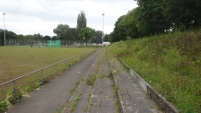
(42, 16)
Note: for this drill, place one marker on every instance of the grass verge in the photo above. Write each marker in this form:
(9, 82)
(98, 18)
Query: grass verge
(170, 63)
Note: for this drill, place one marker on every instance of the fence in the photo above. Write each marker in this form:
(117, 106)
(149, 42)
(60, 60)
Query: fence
(29, 42)
(30, 81)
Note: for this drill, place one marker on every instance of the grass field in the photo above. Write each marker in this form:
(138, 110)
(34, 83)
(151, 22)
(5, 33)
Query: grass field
(16, 61)
(170, 63)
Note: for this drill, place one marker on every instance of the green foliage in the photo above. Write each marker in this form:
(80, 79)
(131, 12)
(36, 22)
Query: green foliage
(91, 80)
(1, 35)
(37, 84)
(97, 37)
(187, 15)
(170, 63)
(3, 106)
(158, 17)
(62, 31)
(77, 98)
(9, 35)
(87, 33)
(119, 32)
(81, 23)
(13, 96)
(151, 19)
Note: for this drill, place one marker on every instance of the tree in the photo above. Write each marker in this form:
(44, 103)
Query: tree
(97, 37)
(183, 14)
(1, 37)
(73, 34)
(87, 34)
(156, 16)
(151, 17)
(62, 31)
(81, 23)
(47, 37)
(54, 38)
(106, 38)
(132, 24)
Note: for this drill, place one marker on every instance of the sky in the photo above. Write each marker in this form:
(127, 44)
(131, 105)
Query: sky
(42, 16)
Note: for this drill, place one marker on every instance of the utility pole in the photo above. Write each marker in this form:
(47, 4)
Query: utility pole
(4, 14)
(103, 26)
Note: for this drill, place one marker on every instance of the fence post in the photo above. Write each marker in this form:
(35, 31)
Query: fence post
(66, 63)
(56, 68)
(14, 89)
(41, 74)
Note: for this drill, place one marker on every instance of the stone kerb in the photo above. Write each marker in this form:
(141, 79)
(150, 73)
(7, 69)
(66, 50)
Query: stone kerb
(161, 101)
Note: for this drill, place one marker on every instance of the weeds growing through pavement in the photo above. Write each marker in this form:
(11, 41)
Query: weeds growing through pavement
(91, 79)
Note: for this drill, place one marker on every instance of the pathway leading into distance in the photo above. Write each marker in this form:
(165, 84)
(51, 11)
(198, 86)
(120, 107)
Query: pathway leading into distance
(54, 94)
(94, 90)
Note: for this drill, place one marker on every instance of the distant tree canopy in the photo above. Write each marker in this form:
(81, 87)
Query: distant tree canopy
(157, 17)
(9, 35)
(97, 37)
(81, 23)
(87, 34)
(62, 31)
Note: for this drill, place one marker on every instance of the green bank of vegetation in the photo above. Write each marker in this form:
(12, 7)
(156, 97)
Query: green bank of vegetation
(170, 63)
(169, 55)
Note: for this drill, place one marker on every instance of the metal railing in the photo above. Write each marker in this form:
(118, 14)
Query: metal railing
(40, 74)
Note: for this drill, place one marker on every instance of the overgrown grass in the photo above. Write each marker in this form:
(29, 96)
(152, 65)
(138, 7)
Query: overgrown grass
(3, 106)
(91, 80)
(74, 105)
(171, 63)
(16, 61)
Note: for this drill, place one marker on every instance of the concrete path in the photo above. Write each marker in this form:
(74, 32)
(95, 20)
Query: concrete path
(53, 95)
(97, 97)
(132, 98)
(57, 95)
(82, 93)
(102, 98)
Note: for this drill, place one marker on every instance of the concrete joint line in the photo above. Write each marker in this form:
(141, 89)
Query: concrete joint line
(93, 91)
(119, 97)
(71, 97)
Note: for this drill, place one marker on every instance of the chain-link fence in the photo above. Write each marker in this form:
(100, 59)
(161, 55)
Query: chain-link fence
(29, 42)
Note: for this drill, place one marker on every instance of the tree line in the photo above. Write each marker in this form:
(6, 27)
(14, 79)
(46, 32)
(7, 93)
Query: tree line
(153, 17)
(81, 33)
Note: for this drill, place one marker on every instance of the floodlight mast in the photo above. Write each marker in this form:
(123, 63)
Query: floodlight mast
(4, 14)
(103, 14)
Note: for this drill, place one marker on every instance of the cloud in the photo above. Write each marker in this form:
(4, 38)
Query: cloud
(42, 16)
